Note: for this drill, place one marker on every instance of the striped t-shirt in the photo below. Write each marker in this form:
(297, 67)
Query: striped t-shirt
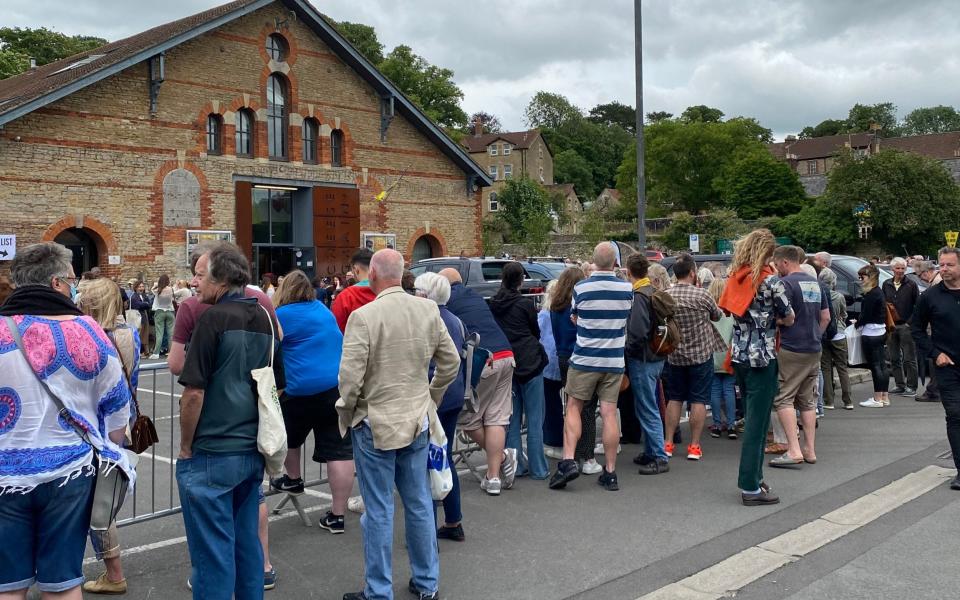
(601, 303)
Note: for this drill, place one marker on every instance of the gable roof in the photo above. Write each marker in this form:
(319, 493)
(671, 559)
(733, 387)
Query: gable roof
(934, 145)
(521, 140)
(563, 188)
(38, 87)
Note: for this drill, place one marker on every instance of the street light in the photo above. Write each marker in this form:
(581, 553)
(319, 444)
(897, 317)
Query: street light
(641, 180)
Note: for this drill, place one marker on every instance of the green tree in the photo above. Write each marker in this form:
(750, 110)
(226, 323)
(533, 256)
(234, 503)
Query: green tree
(364, 39)
(430, 87)
(658, 115)
(570, 167)
(761, 133)
(758, 185)
(491, 123)
(17, 44)
(492, 234)
(824, 128)
(862, 117)
(594, 227)
(601, 146)
(614, 113)
(702, 113)
(819, 226)
(522, 203)
(717, 225)
(912, 198)
(933, 119)
(536, 240)
(551, 110)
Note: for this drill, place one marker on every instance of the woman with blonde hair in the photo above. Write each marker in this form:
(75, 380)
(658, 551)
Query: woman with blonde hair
(873, 326)
(659, 277)
(102, 300)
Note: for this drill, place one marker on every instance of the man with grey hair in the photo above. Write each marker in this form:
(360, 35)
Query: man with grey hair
(833, 354)
(387, 403)
(823, 259)
(219, 469)
(902, 294)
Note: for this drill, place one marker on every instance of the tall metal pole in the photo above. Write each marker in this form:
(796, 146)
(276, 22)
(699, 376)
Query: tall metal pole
(641, 177)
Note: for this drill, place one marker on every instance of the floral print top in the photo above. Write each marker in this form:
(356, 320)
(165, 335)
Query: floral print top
(755, 333)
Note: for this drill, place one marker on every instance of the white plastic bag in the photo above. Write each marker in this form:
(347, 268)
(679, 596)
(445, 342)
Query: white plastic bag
(855, 354)
(271, 433)
(133, 319)
(438, 464)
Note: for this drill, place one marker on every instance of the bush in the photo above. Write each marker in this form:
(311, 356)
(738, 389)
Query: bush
(718, 225)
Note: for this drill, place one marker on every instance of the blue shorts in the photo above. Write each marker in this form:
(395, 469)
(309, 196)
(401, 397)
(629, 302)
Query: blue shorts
(690, 383)
(44, 535)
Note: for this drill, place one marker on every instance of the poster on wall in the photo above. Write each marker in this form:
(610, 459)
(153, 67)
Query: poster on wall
(196, 236)
(378, 241)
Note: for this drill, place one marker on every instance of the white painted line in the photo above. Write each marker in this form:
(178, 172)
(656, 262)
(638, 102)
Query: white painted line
(176, 416)
(736, 572)
(151, 391)
(163, 459)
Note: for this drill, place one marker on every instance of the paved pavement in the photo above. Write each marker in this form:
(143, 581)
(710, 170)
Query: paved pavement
(586, 543)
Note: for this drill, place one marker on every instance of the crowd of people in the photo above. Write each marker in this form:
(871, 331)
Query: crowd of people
(376, 368)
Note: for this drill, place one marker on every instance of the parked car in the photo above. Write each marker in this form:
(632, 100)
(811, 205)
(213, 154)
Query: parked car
(483, 274)
(655, 255)
(700, 259)
(910, 275)
(848, 283)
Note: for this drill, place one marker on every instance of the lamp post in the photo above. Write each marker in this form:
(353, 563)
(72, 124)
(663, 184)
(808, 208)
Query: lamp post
(641, 178)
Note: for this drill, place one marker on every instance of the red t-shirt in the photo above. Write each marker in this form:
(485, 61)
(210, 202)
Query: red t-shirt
(350, 300)
(190, 310)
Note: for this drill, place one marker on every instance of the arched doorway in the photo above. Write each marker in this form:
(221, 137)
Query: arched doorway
(84, 248)
(426, 246)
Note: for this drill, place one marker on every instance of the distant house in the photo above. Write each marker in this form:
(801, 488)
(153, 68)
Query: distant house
(607, 200)
(507, 155)
(571, 206)
(813, 158)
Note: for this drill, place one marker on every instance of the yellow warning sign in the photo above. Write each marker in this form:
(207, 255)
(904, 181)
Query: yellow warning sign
(951, 238)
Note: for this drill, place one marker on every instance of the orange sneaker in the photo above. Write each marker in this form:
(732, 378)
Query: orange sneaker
(694, 452)
(668, 448)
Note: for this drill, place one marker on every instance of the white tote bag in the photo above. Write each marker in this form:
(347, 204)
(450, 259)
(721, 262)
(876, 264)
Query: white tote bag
(855, 354)
(271, 434)
(133, 319)
(438, 464)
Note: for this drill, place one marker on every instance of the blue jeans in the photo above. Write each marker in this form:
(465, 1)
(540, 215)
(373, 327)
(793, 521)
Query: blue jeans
(220, 498)
(451, 504)
(643, 382)
(377, 473)
(528, 401)
(723, 398)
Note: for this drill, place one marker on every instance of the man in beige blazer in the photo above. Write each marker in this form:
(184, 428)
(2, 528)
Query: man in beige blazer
(385, 402)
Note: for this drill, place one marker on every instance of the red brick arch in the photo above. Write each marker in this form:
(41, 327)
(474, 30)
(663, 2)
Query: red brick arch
(98, 231)
(438, 244)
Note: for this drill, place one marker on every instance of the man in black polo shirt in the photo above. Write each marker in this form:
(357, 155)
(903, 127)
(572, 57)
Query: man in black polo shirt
(219, 469)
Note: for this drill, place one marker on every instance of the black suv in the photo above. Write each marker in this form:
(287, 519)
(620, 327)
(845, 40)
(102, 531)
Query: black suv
(483, 274)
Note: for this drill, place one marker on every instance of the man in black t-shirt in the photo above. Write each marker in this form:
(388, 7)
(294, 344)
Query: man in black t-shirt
(219, 470)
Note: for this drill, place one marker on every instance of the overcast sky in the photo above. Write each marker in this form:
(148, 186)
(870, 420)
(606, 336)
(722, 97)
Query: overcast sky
(787, 63)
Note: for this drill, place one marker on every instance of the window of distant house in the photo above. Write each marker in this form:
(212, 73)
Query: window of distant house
(494, 204)
(244, 132)
(336, 148)
(507, 171)
(494, 149)
(541, 151)
(277, 115)
(311, 130)
(277, 48)
(214, 134)
(493, 172)
(507, 149)
(812, 168)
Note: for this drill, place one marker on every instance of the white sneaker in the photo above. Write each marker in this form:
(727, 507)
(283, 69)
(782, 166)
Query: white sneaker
(508, 468)
(154, 357)
(598, 449)
(871, 403)
(553, 452)
(590, 467)
(355, 504)
(491, 486)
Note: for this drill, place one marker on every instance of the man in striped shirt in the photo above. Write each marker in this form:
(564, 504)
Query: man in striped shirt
(601, 306)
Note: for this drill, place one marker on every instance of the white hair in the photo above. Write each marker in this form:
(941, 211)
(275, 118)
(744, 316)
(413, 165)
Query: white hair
(897, 261)
(824, 258)
(809, 270)
(705, 276)
(434, 287)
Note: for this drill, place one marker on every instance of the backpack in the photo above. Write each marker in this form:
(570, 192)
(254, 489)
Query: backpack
(664, 331)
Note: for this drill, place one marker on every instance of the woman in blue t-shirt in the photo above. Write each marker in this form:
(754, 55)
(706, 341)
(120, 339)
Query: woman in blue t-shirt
(312, 344)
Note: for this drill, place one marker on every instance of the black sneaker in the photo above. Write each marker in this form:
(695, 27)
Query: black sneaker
(715, 431)
(422, 595)
(762, 498)
(451, 533)
(354, 596)
(608, 481)
(955, 484)
(331, 522)
(927, 397)
(566, 472)
(909, 392)
(898, 390)
(732, 434)
(654, 467)
(285, 484)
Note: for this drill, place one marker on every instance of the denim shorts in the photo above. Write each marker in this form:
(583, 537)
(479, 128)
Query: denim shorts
(44, 535)
(688, 383)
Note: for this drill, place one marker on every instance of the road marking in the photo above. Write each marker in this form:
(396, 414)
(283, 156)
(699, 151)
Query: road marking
(163, 459)
(152, 391)
(165, 418)
(736, 572)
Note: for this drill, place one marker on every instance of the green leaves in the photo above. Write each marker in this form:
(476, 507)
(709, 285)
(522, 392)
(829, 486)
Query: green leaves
(523, 204)
(18, 44)
(430, 87)
(758, 185)
(553, 111)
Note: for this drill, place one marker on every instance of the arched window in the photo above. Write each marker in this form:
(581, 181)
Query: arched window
(277, 114)
(311, 130)
(214, 134)
(277, 47)
(336, 148)
(244, 134)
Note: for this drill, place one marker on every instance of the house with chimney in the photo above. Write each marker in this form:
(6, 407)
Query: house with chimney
(503, 156)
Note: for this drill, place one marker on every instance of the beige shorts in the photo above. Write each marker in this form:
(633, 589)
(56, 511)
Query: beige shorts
(494, 397)
(582, 385)
(798, 377)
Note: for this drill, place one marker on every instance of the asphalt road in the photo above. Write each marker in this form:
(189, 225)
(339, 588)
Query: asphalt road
(586, 543)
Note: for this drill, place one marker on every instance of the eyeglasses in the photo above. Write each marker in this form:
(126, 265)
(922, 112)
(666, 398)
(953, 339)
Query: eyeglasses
(69, 280)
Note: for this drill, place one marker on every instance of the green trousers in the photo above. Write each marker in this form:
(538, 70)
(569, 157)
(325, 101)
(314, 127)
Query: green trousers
(758, 386)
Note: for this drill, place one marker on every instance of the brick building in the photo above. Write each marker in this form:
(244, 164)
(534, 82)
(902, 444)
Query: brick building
(507, 155)
(254, 121)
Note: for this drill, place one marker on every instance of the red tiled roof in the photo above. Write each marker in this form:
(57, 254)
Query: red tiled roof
(934, 145)
(521, 140)
(823, 147)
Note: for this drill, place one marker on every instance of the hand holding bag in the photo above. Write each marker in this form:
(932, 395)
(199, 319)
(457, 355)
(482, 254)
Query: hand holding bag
(438, 463)
(271, 433)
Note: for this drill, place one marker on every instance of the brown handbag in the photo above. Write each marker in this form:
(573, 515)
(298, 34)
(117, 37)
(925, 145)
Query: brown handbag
(143, 433)
(892, 317)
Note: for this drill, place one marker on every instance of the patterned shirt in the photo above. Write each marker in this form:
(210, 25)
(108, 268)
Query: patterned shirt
(755, 333)
(699, 338)
(601, 304)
